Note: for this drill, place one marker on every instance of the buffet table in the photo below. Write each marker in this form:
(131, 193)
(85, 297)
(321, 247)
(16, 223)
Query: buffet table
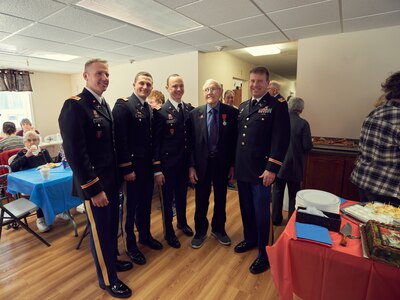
(313, 271)
(53, 195)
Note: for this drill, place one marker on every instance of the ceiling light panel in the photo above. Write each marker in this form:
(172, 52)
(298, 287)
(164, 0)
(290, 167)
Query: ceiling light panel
(143, 13)
(263, 50)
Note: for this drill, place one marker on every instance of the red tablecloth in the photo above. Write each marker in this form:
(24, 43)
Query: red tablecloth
(312, 271)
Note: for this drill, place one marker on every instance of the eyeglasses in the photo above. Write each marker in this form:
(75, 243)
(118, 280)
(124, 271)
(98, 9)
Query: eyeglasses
(31, 140)
(211, 90)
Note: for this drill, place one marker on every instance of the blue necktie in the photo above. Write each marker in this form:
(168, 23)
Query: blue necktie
(213, 137)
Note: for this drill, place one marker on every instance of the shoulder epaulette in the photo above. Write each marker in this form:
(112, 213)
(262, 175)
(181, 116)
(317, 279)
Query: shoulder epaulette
(282, 99)
(75, 98)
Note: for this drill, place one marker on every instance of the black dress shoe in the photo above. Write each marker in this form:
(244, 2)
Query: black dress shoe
(136, 256)
(118, 290)
(152, 243)
(185, 229)
(259, 266)
(173, 241)
(123, 266)
(244, 246)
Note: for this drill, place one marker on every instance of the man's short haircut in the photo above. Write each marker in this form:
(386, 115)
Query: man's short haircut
(211, 81)
(172, 75)
(260, 70)
(94, 60)
(9, 128)
(146, 74)
(275, 84)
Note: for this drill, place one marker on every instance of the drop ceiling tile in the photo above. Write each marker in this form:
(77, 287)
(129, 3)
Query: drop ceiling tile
(151, 56)
(75, 50)
(24, 42)
(314, 30)
(130, 35)
(100, 43)
(175, 3)
(246, 27)
(28, 9)
(274, 5)
(370, 22)
(199, 36)
(263, 39)
(163, 44)
(181, 50)
(52, 33)
(211, 12)
(133, 51)
(3, 35)
(12, 24)
(113, 57)
(322, 12)
(358, 8)
(81, 21)
(226, 44)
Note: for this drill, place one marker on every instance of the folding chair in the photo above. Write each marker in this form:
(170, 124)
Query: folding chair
(16, 210)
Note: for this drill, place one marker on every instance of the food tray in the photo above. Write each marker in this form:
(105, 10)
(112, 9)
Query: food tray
(363, 214)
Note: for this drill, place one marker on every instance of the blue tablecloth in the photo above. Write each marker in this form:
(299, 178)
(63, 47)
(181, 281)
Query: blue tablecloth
(53, 195)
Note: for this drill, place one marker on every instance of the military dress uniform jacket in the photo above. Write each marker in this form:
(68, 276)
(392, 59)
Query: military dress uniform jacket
(227, 135)
(171, 137)
(88, 141)
(133, 124)
(263, 138)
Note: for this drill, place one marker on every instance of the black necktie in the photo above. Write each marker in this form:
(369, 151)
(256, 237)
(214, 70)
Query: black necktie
(180, 106)
(253, 103)
(213, 137)
(104, 106)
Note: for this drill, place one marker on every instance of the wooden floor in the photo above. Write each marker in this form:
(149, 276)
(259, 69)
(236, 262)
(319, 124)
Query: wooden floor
(30, 270)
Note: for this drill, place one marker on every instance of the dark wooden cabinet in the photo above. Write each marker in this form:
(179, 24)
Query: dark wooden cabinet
(330, 171)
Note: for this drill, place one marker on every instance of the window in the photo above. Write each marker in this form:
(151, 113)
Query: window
(14, 106)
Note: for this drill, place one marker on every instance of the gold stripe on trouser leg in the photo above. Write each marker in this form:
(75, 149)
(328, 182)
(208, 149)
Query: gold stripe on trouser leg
(96, 241)
(123, 221)
(160, 193)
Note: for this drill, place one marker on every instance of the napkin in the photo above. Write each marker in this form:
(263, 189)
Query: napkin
(313, 233)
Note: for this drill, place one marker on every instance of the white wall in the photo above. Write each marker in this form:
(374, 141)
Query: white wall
(49, 93)
(339, 77)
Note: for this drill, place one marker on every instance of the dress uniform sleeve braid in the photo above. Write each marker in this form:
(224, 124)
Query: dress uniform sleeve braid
(72, 127)
(121, 115)
(280, 137)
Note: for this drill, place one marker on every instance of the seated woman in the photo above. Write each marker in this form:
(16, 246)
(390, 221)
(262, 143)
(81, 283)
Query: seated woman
(11, 141)
(26, 126)
(31, 157)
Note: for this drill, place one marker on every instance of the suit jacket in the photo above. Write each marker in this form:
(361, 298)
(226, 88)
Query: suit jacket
(263, 139)
(300, 142)
(88, 141)
(133, 128)
(171, 137)
(227, 135)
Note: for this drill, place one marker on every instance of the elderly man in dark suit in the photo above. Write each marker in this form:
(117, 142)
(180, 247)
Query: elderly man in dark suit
(292, 170)
(87, 130)
(214, 132)
(133, 129)
(171, 157)
(264, 133)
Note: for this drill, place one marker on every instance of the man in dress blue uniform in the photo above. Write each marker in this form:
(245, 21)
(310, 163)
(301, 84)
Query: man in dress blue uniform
(214, 133)
(263, 139)
(171, 157)
(86, 126)
(133, 131)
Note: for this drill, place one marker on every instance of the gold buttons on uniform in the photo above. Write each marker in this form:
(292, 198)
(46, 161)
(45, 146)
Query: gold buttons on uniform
(247, 119)
(245, 126)
(244, 134)
(242, 143)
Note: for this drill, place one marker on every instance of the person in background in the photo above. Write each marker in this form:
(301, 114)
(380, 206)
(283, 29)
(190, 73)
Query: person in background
(11, 141)
(26, 125)
(377, 168)
(155, 99)
(263, 139)
(86, 127)
(292, 170)
(133, 118)
(229, 98)
(32, 157)
(274, 89)
(214, 133)
(171, 157)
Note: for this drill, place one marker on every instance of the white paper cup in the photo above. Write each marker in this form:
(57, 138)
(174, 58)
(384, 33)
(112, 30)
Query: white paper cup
(45, 172)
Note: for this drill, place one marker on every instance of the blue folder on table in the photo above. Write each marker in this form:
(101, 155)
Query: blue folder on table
(313, 233)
